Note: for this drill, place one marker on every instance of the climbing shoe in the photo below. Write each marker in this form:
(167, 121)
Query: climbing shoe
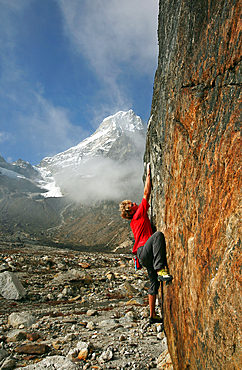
(155, 320)
(163, 275)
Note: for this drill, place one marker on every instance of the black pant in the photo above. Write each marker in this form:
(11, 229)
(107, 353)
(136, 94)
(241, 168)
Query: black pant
(153, 256)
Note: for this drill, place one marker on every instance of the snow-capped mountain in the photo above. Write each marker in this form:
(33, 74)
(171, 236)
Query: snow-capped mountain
(45, 202)
(94, 168)
(101, 141)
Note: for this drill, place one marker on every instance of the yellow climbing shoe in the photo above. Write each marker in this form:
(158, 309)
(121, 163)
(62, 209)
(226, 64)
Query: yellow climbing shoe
(164, 275)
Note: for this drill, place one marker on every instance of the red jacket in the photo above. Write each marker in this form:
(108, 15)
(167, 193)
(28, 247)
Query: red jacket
(140, 225)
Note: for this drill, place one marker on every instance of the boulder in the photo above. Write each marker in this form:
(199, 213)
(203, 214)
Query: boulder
(33, 349)
(194, 147)
(52, 363)
(16, 336)
(10, 286)
(3, 354)
(8, 364)
(21, 318)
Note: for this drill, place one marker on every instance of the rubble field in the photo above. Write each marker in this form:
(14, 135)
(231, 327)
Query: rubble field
(78, 310)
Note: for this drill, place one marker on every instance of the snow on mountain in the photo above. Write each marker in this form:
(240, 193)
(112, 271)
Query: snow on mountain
(100, 142)
(100, 167)
(10, 174)
(103, 165)
(48, 182)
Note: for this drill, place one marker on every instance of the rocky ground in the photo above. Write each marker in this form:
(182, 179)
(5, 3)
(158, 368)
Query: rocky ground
(79, 311)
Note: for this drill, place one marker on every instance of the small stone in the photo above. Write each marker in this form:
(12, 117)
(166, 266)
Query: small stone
(122, 338)
(3, 354)
(160, 336)
(90, 325)
(33, 349)
(86, 366)
(106, 356)
(76, 298)
(110, 276)
(108, 322)
(57, 344)
(130, 288)
(84, 265)
(32, 336)
(69, 337)
(164, 361)
(72, 354)
(8, 364)
(16, 336)
(135, 301)
(91, 312)
(52, 362)
(87, 279)
(145, 312)
(10, 286)
(82, 355)
(160, 328)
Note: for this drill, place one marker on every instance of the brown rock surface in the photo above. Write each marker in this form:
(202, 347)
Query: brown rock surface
(36, 349)
(194, 146)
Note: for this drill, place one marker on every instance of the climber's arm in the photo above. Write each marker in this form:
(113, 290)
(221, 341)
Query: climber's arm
(147, 188)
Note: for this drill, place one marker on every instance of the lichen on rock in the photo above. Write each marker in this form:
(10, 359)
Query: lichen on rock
(194, 147)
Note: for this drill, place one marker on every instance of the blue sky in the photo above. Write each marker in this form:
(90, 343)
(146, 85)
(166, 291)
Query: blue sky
(65, 65)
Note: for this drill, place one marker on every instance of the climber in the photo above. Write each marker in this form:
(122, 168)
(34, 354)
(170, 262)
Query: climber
(149, 249)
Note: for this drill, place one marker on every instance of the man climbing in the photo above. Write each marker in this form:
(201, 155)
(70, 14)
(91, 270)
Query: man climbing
(149, 248)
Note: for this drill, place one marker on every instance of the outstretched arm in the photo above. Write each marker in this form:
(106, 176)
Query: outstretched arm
(147, 188)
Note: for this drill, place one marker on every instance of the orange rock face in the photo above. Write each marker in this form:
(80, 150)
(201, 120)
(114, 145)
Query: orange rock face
(194, 144)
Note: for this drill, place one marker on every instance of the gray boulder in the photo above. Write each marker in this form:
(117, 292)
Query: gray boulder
(10, 286)
(21, 318)
(3, 354)
(52, 363)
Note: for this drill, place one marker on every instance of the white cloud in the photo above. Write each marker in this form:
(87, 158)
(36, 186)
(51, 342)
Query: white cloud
(112, 34)
(4, 136)
(30, 119)
(35, 121)
(102, 179)
(48, 128)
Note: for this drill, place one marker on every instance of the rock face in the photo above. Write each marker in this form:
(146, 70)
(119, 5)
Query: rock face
(194, 146)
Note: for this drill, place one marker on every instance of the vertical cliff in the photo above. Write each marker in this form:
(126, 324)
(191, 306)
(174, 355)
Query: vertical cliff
(194, 144)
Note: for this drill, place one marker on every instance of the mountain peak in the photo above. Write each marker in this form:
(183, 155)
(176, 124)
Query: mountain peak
(100, 141)
(127, 121)
(99, 161)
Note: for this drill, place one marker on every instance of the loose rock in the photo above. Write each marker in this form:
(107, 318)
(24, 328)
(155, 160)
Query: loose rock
(10, 286)
(71, 321)
(52, 363)
(22, 318)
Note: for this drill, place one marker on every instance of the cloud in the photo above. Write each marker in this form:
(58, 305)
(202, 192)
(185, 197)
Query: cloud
(111, 35)
(4, 136)
(102, 179)
(48, 128)
(35, 121)
(117, 39)
(29, 120)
